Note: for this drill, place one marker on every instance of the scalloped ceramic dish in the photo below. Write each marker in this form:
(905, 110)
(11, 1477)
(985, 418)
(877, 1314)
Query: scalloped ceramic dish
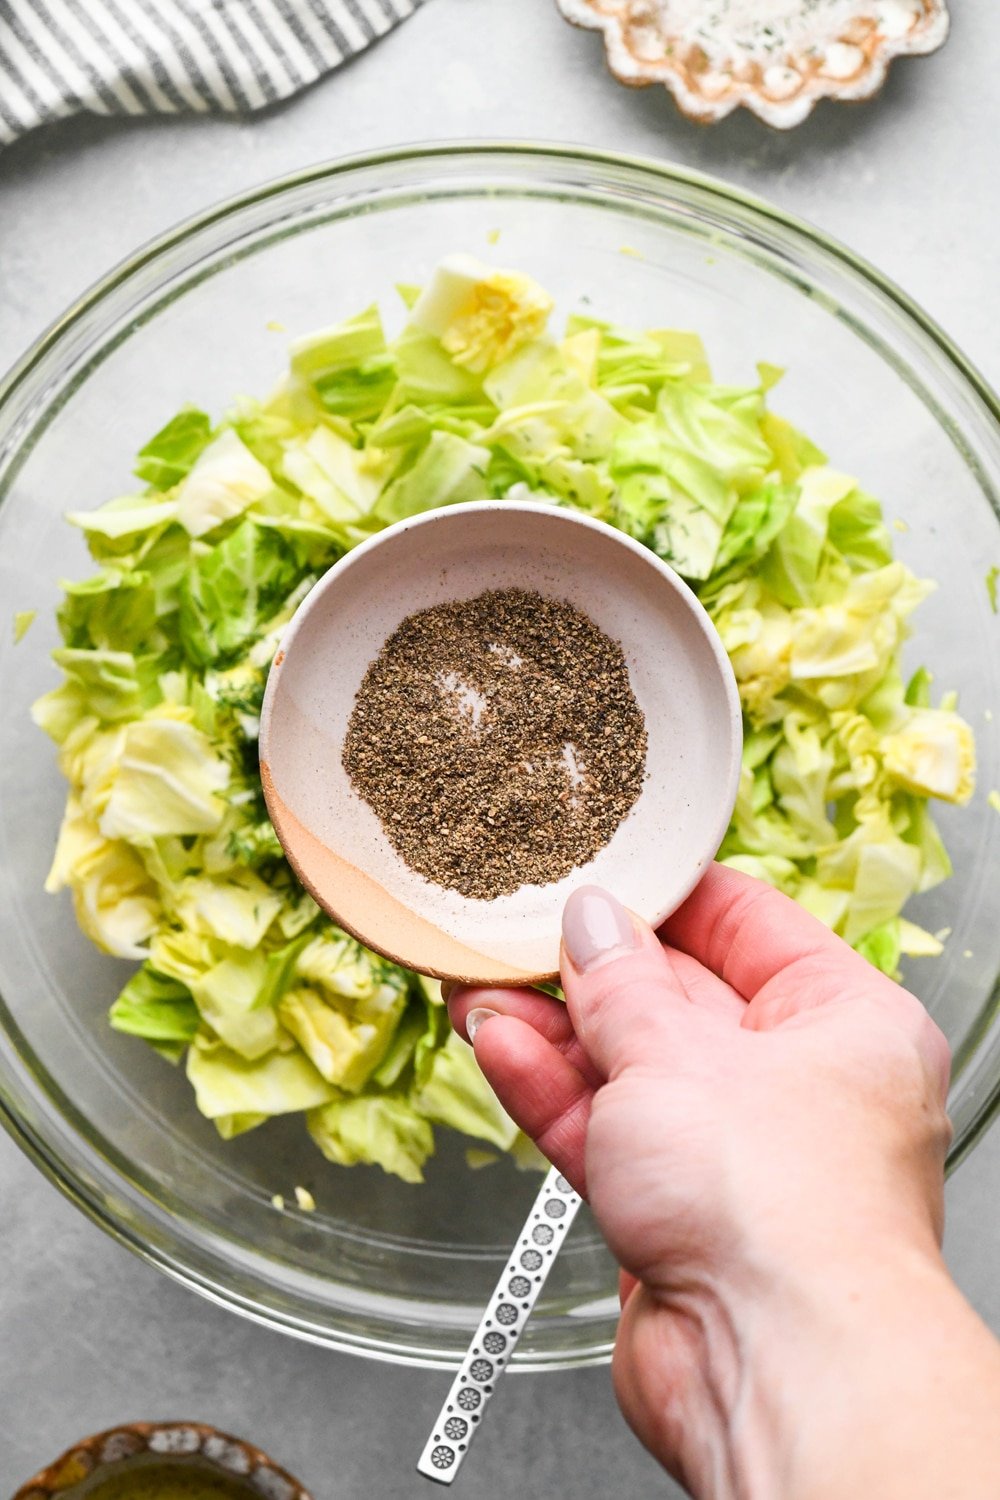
(777, 58)
(134, 1448)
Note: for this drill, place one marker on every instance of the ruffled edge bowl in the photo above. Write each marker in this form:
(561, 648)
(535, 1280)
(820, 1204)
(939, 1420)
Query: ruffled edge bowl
(711, 78)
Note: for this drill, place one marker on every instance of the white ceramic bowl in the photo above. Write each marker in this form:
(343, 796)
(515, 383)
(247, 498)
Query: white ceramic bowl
(680, 675)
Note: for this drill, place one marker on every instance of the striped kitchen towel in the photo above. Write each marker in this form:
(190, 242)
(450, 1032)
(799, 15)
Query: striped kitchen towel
(134, 57)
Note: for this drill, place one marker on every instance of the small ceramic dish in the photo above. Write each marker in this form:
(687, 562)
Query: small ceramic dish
(680, 675)
(775, 57)
(120, 1461)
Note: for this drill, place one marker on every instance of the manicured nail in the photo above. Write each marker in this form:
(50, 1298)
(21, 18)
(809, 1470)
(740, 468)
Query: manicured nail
(475, 1019)
(596, 928)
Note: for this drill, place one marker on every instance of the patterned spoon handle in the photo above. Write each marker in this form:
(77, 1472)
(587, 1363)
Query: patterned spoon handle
(502, 1324)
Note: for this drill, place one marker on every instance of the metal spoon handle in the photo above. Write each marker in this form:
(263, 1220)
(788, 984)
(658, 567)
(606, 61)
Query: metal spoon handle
(494, 1341)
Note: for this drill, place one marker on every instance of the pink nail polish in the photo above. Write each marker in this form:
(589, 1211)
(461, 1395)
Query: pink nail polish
(596, 928)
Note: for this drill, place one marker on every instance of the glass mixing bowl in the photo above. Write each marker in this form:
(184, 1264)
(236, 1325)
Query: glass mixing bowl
(395, 1271)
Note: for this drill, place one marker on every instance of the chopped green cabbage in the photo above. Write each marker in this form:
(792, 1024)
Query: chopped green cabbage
(166, 846)
(23, 621)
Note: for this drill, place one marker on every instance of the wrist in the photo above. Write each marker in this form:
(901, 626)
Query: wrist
(788, 1366)
(864, 1374)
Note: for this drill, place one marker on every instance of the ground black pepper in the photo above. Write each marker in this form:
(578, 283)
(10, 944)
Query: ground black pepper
(498, 740)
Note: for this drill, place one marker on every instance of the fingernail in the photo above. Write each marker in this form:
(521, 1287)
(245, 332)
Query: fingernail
(596, 928)
(447, 985)
(475, 1019)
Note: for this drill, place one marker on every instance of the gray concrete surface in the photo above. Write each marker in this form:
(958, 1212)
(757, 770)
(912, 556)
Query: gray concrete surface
(89, 1335)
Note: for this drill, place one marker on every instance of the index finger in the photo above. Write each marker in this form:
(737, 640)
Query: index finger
(747, 932)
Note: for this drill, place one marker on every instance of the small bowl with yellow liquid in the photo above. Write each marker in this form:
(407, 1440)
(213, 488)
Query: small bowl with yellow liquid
(163, 1461)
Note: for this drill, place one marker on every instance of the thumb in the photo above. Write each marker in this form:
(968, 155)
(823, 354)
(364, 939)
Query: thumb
(623, 997)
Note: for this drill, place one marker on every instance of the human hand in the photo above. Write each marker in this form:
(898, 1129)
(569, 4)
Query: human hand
(757, 1117)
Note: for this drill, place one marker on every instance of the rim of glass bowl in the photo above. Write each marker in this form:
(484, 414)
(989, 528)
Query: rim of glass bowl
(63, 357)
